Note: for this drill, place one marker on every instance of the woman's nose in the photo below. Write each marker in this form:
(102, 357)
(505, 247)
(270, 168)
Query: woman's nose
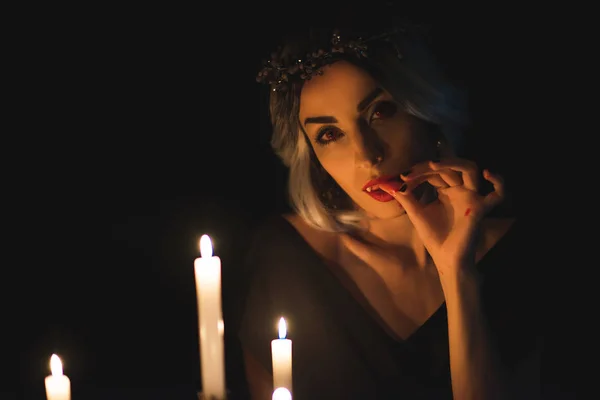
(370, 149)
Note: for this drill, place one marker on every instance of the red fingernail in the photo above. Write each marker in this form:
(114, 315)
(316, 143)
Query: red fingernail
(467, 212)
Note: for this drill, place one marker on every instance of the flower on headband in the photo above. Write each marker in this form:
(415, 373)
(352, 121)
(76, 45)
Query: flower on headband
(279, 74)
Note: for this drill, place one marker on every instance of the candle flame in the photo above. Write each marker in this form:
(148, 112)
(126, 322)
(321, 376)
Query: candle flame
(56, 365)
(206, 249)
(282, 393)
(282, 328)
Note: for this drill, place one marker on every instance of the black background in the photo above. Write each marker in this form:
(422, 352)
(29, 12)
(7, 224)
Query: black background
(133, 131)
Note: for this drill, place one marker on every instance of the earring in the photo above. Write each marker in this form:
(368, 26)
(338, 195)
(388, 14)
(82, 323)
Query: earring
(438, 149)
(331, 196)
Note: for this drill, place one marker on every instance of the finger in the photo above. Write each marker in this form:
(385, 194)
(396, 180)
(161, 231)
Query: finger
(468, 170)
(448, 176)
(434, 179)
(417, 170)
(412, 207)
(495, 197)
(403, 196)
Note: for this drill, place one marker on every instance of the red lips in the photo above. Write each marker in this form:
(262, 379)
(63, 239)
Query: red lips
(378, 181)
(392, 181)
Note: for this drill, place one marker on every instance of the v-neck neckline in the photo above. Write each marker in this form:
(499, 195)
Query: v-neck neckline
(370, 314)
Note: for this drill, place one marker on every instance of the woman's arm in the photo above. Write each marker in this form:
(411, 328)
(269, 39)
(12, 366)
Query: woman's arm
(259, 379)
(449, 228)
(475, 366)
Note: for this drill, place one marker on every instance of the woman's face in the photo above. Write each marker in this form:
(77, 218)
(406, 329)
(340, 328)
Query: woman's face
(359, 133)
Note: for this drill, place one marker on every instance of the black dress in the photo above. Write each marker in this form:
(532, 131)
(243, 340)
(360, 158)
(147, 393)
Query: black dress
(340, 351)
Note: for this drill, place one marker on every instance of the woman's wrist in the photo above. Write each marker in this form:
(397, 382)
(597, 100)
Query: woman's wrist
(460, 281)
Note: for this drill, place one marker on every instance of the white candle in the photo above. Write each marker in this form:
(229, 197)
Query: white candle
(281, 353)
(58, 386)
(281, 394)
(207, 270)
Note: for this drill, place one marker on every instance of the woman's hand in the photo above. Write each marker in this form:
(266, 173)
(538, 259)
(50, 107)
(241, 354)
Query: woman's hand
(448, 226)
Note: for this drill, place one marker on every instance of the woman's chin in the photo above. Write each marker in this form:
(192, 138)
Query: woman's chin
(388, 210)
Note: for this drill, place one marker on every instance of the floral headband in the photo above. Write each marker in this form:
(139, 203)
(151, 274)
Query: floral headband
(280, 75)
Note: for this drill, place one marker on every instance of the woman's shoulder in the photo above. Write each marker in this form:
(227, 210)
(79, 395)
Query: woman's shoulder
(285, 237)
(495, 230)
(500, 242)
(324, 243)
(276, 230)
(271, 232)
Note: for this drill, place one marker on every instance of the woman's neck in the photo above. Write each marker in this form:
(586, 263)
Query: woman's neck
(396, 233)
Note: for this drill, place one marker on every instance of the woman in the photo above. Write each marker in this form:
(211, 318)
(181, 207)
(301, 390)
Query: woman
(394, 279)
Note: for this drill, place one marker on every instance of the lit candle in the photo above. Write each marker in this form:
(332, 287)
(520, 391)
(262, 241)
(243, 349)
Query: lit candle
(207, 270)
(281, 353)
(281, 394)
(58, 386)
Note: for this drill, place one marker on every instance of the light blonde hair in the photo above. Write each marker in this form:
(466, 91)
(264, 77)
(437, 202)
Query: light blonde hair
(414, 81)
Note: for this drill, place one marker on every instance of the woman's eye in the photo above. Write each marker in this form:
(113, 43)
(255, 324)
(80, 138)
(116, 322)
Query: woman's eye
(384, 109)
(328, 135)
